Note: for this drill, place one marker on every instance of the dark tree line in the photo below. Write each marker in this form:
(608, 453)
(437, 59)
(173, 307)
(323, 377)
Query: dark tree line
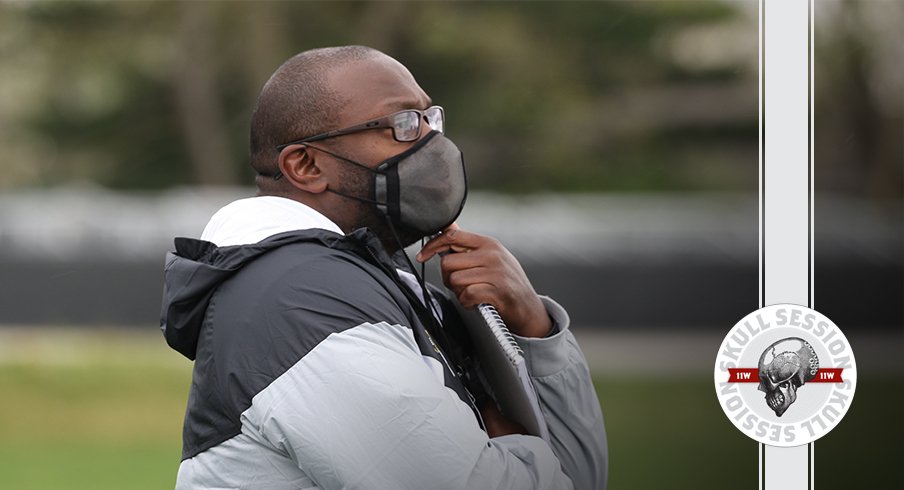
(541, 96)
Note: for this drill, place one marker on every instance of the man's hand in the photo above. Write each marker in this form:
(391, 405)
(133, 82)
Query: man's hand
(483, 271)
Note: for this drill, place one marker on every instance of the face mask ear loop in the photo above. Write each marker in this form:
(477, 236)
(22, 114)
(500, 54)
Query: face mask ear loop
(423, 281)
(428, 302)
(439, 332)
(423, 264)
(356, 198)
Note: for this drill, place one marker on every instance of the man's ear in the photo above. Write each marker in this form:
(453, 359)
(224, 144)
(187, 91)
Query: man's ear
(299, 167)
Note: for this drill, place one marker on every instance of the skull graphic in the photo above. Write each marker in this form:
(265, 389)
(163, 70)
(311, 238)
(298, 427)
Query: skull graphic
(784, 367)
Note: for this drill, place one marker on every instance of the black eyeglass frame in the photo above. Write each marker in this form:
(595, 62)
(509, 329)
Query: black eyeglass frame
(386, 121)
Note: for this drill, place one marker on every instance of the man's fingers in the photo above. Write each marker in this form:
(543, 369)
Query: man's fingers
(466, 269)
(452, 239)
(458, 261)
(459, 279)
(438, 244)
(474, 294)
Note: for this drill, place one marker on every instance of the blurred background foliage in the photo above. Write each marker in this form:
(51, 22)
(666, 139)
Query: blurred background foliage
(557, 96)
(551, 96)
(150, 95)
(608, 97)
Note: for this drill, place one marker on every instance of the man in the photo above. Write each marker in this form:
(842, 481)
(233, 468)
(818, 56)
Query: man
(320, 359)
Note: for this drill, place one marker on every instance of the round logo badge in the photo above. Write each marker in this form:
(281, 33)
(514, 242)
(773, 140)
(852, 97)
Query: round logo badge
(785, 375)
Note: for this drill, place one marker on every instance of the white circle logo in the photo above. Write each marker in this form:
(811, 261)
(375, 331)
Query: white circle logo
(785, 375)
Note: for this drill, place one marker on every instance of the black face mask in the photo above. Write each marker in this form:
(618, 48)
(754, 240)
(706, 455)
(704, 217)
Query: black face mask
(421, 190)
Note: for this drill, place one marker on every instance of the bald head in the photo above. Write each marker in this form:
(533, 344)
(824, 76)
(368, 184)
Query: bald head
(297, 101)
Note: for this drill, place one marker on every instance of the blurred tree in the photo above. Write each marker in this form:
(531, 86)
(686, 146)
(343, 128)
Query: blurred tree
(148, 95)
(860, 100)
(198, 104)
(541, 96)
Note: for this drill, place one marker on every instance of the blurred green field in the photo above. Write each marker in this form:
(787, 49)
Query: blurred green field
(104, 411)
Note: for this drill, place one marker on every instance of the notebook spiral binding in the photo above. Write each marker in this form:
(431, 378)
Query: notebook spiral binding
(501, 332)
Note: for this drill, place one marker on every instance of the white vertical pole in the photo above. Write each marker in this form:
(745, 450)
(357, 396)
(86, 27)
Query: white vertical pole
(785, 191)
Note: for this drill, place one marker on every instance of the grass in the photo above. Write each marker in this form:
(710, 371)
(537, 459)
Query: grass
(96, 426)
(671, 434)
(103, 414)
(90, 412)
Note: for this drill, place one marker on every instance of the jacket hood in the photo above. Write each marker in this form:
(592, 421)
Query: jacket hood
(237, 234)
(195, 270)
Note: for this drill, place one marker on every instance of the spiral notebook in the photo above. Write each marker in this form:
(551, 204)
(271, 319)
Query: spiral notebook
(504, 369)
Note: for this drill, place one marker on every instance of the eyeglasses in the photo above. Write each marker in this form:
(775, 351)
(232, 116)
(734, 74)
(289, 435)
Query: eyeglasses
(406, 125)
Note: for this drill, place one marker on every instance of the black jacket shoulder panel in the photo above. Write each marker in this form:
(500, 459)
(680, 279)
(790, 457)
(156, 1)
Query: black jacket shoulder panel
(197, 268)
(257, 310)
